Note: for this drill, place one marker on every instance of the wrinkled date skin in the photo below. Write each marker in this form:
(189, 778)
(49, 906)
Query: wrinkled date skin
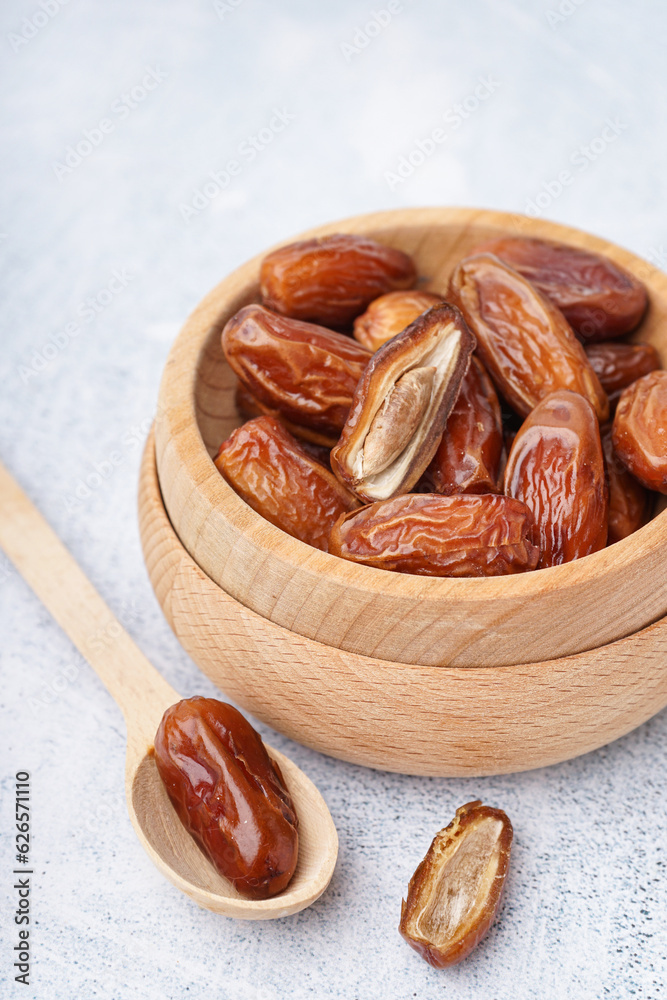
(390, 314)
(619, 365)
(275, 476)
(525, 343)
(304, 372)
(628, 500)
(331, 280)
(556, 468)
(455, 893)
(431, 535)
(640, 430)
(229, 794)
(469, 453)
(401, 405)
(599, 299)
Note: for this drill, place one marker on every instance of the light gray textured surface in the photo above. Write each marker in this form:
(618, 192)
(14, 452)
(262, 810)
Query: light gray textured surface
(586, 902)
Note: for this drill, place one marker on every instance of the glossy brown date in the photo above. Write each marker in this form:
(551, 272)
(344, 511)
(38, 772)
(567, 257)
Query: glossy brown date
(304, 372)
(469, 453)
(390, 314)
(556, 468)
(598, 297)
(455, 893)
(619, 365)
(640, 430)
(332, 279)
(431, 535)
(628, 500)
(229, 794)
(525, 343)
(275, 476)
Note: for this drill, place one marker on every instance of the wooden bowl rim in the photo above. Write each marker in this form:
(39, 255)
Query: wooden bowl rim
(177, 415)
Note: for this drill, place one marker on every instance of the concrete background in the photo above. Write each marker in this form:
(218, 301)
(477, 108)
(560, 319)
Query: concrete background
(102, 260)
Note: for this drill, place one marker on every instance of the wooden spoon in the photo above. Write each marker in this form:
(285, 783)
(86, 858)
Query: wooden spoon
(143, 695)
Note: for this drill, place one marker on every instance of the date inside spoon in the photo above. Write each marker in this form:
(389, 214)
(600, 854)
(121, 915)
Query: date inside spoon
(143, 696)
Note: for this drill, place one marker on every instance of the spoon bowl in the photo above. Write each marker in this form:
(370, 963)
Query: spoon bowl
(181, 860)
(143, 696)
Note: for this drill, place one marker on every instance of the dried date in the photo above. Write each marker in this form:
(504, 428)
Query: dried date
(304, 372)
(331, 280)
(619, 365)
(556, 468)
(431, 535)
(455, 893)
(640, 430)
(390, 314)
(275, 476)
(229, 794)
(526, 344)
(598, 297)
(628, 500)
(470, 450)
(401, 405)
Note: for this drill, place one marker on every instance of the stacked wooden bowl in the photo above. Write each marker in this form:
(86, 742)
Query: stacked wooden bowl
(413, 674)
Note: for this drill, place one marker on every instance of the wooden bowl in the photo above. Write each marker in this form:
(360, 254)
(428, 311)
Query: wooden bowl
(403, 717)
(407, 619)
(423, 676)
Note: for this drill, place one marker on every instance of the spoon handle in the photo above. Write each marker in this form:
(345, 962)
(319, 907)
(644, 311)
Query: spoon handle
(62, 586)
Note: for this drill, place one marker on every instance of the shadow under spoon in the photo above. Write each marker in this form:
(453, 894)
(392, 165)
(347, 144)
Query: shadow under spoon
(143, 695)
